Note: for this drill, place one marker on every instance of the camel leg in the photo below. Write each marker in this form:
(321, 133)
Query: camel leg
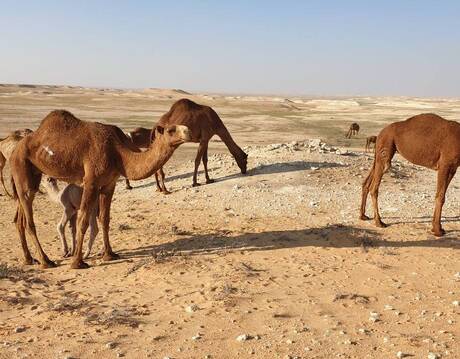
(61, 230)
(445, 175)
(26, 203)
(20, 222)
(205, 164)
(2, 166)
(161, 182)
(93, 231)
(128, 185)
(365, 191)
(382, 165)
(198, 158)
(157, 181)
(73, 230)
(88, 201)
(105, 201)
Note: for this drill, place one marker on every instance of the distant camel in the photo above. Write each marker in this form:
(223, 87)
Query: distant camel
(203, 123)
(353, 130)
(69, 198)
(427, 140)
(369, 141)
(142, 137)
(87, 153)
(7, 146)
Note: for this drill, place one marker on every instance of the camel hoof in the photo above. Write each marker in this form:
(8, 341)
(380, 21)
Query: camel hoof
(380, 224)
(128, 187)
(110, 256)
(363, 217)
(438, 233)
(48, 264)
(196, 184)
(166, 192)
(30, 261)
(208, 181)
(79, 265)
(67, 254)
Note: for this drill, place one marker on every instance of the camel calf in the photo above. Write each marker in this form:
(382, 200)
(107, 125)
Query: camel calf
(353, 130)
(426, 140)
(369, 141)
(70, 199)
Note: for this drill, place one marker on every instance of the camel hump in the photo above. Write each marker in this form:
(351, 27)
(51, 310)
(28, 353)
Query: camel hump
(60, 119)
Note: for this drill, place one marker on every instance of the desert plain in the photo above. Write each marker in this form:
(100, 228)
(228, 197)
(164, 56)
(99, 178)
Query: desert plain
(272, 264)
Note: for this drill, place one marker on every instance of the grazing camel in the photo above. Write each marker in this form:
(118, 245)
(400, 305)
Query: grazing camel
(7, 146)
(369, 141)
(141, 138)
(203, 123)
(69, 198)
(353, 130)
(427, 140)
(90, 154)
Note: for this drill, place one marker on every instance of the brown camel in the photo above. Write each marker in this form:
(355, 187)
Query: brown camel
(353, 130)
(90, 154)
(141, 138)
(369, 141)
(203, 123)
(7, 146)
(427, 140)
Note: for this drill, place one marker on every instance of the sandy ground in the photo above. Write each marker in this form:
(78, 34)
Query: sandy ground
(276, 258)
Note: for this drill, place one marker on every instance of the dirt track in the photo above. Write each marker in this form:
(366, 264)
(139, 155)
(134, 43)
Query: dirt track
(278, 255)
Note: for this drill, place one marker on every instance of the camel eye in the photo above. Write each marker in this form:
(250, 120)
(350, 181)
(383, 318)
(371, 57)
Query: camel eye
(171, 131)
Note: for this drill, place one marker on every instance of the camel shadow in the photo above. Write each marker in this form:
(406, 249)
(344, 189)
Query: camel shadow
(335, 236)
(272, 168)
(421, 219)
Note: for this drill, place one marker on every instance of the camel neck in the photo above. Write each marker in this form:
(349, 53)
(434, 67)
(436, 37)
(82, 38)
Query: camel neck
(140, 165)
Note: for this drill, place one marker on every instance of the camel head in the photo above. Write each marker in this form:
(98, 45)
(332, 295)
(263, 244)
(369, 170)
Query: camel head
(172, 136)
(242, 162)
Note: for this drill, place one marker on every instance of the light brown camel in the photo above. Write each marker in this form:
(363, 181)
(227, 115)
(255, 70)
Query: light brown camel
(203, 123)
(141, 138)
(427, 140)
(90, 154)
(7, 146)
(69, 197)
(369, 141)
(353, 130)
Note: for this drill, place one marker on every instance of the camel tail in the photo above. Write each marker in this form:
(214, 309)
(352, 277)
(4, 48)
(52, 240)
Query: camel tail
(3, 184)
(236, 151)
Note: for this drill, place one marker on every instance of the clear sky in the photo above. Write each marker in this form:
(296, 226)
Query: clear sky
(392, 47)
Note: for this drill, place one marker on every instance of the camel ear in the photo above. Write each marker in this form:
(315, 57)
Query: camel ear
(160, 130)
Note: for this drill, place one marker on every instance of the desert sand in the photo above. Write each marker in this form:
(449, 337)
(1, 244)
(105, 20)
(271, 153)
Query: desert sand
(273, 264)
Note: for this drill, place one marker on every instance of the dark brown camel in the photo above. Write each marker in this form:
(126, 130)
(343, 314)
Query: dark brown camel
(203, 123)
(427, 140)
(7, 146)
(353, 130)
(369, 141)
(141, 138)
(90, 154)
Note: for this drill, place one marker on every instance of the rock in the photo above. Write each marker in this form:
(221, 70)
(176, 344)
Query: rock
(400, 355)
(110, 345)
(192, 308)
(243, 337)
(433, 356)
(20, 329)
(197, 337)
(456, 303)
(374, 317)
(457, 276)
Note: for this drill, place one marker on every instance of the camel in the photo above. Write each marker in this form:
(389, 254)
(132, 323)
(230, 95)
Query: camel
(69, 198)
(7, 146)
(353, 130)
(203, 123)
(141, 138)
(426, 140)
(89, 154)
(369, 141)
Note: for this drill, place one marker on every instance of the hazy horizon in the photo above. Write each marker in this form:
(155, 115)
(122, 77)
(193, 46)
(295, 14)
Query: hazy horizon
(258, 48)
